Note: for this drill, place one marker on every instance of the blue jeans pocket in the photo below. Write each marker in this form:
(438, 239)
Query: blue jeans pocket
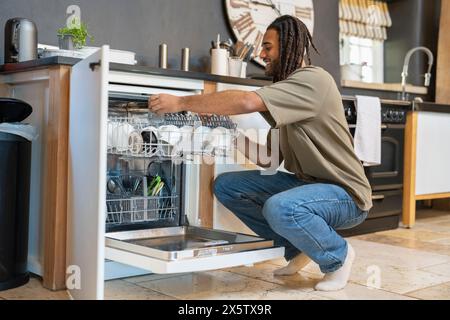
(354, 222)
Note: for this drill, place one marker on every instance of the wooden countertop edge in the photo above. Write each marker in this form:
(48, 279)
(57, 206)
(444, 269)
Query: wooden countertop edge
(392, 87)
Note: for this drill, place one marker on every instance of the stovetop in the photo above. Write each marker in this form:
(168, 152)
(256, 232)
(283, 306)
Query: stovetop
(391, 113)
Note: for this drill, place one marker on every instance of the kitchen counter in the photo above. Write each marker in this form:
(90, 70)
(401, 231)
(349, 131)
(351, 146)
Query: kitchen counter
(431, 107)
(58, 60)
(427, 175)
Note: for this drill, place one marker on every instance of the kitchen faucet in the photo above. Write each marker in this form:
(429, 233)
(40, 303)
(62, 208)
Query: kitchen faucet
(406, 66)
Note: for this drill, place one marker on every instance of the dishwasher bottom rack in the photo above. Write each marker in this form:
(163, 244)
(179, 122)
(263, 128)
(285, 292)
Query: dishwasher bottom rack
(123, 211)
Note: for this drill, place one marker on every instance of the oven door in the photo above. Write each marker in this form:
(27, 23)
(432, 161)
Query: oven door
(187, 249)
(389, 174)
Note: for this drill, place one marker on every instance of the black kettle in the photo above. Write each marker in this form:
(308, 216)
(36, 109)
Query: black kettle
(20, 40)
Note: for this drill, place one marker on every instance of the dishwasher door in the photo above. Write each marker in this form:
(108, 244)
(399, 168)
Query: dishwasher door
(188, 249)
(145, 224)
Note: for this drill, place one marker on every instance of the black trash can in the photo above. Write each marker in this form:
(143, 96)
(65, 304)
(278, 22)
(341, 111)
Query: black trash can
(15, 168)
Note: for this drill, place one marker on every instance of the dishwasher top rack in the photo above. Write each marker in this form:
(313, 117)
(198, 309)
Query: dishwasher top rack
(195, 120)
(174, 136)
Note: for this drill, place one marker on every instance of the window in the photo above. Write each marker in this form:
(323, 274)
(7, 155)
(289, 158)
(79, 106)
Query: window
(362, 56)
(363, 30)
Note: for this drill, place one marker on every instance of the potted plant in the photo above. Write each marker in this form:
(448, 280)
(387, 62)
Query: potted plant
(74, 37)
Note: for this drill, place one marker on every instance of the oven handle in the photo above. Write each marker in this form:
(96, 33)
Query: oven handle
(384, 174)
(378, 197)
(383, 126)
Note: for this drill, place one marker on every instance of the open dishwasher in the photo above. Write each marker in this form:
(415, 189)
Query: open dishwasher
(134, 210)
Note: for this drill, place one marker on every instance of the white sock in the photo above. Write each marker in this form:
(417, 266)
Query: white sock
(338, 279)
(294, 266)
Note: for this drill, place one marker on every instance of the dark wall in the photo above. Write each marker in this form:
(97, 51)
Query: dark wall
(141, 25)
(415, 23)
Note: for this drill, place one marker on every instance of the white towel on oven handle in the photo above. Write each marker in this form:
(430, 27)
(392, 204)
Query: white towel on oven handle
(368, 130)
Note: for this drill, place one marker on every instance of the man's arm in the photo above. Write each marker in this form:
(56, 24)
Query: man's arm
(230, 102)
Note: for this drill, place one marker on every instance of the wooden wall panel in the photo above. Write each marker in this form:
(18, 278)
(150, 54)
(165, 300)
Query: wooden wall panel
(443, 63)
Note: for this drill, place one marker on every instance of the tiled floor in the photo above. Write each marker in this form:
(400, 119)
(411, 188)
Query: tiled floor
(397, 264)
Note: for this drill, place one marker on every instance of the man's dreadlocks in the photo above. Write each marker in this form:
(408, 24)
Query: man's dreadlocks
(295, 43)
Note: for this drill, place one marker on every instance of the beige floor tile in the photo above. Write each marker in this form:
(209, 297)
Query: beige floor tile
(33, 290)
(439, 292)
(430, 247)
(393, 278)
(383, 254)
(398, 267)
(301, 281)
(373, 253)
(358, 292)
(444, 242)
(212, 285)
(283, 293)
(387, 254)
(440, 269)
(439, 226)
(122, 290)
(416, 234)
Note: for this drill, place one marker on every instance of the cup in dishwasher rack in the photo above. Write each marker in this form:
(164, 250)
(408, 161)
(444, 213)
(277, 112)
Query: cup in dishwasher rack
(185, 144)
(169, 137)
(121, 136)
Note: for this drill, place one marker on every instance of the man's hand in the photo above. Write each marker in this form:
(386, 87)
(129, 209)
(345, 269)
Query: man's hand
(165, 103)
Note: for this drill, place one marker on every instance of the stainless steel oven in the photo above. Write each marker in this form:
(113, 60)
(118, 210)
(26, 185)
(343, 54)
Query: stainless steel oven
(385, 179)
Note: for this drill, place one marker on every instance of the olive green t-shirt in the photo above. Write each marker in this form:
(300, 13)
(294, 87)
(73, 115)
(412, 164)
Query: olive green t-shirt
(315, 140)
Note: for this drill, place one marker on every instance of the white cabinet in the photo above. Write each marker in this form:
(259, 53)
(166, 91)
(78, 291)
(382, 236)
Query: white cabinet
(433, 153)
(189, 249)
(257, 128)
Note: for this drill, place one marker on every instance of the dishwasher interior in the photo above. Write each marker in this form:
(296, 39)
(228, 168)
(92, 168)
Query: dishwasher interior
(146, 181)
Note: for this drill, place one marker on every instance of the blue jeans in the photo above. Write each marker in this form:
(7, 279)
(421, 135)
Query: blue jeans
(300, 216)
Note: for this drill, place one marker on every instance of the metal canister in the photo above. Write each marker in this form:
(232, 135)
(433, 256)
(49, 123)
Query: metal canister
(163, 56)
(185, 53)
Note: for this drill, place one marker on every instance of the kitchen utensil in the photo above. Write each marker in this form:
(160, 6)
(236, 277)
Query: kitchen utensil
(237, 49)
(157, 189)
(185, 59)
(20, 40)
(153, 185)
(111, 185)
(163, 56)
(234, 66)
(114, 185)
(249, 55)
(219, 62)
